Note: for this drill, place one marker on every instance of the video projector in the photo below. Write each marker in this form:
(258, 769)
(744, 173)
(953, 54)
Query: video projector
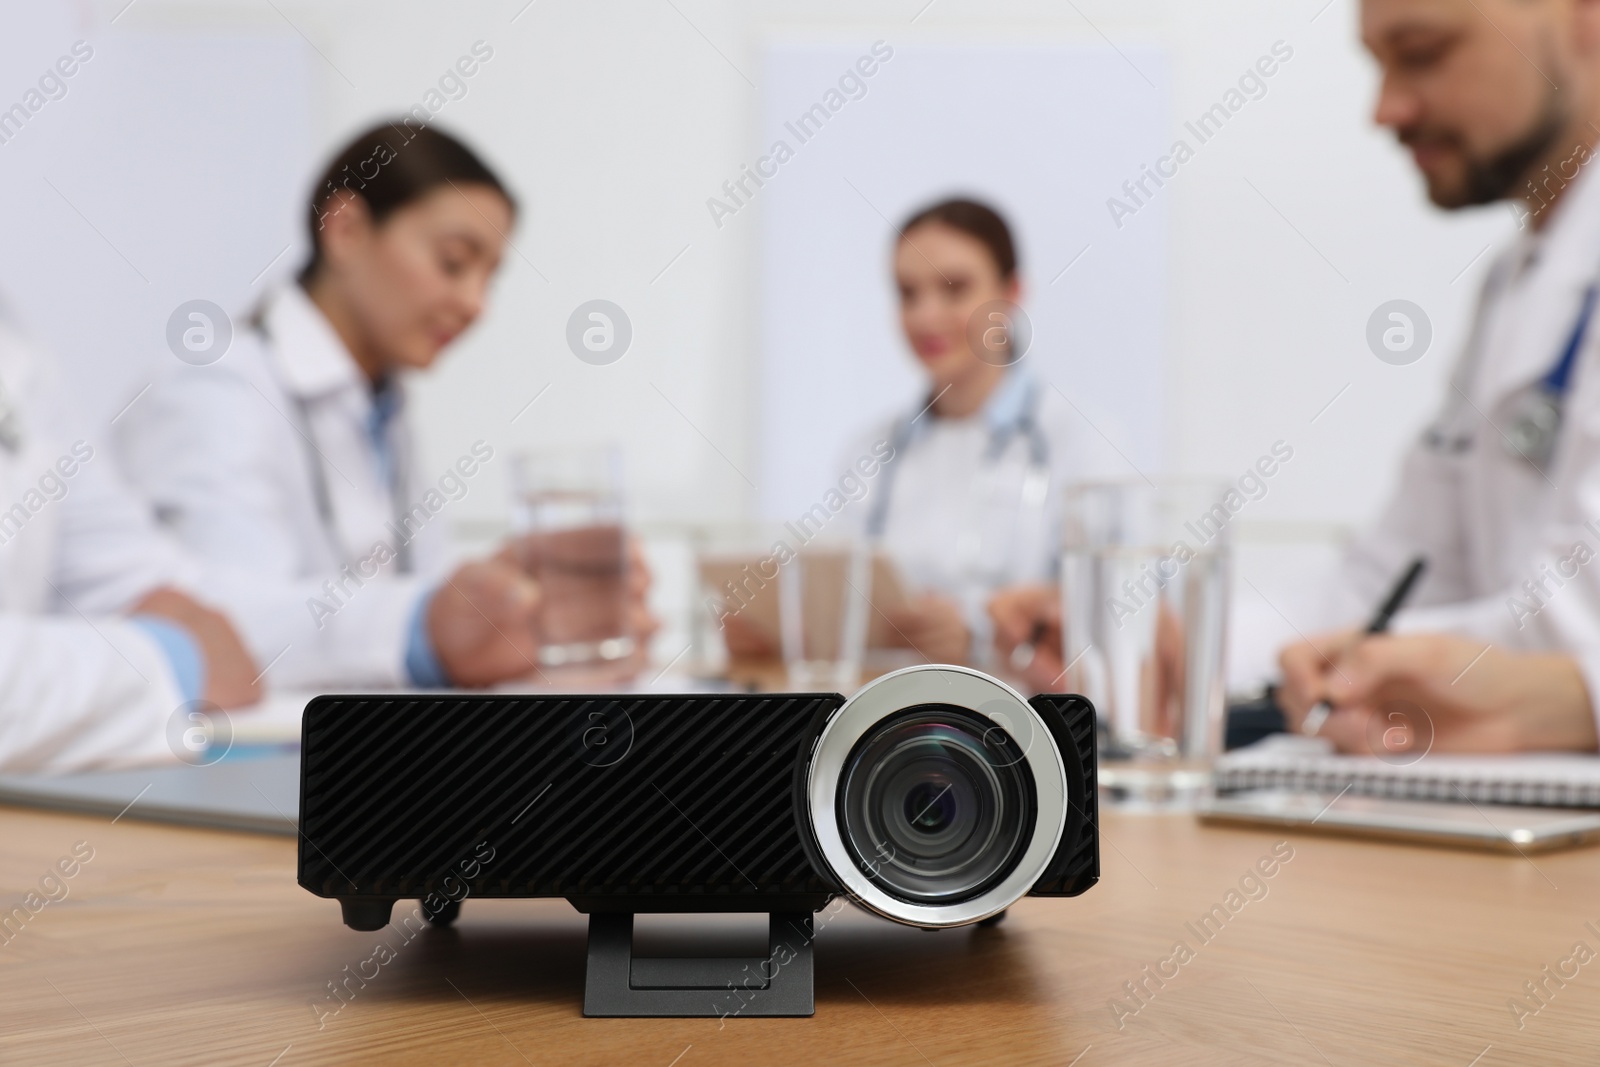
(936, 796)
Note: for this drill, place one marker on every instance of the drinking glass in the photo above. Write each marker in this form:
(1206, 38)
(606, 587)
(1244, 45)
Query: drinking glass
(792, 592)
(1144, 587)
(824, 602)
(568, 520)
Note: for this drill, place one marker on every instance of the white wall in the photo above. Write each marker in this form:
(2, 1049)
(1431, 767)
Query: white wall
(167, 171)
(616, 120)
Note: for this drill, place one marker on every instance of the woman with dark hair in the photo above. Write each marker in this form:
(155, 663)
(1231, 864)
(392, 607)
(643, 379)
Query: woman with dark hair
(968, 503)
(291, 454)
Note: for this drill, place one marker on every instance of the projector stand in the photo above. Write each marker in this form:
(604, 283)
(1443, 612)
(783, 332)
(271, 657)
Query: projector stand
(618, 985)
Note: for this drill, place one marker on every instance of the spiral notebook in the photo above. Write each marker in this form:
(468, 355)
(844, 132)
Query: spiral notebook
(1287, 761)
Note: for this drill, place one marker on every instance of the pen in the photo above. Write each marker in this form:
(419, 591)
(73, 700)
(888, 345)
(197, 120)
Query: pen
(1380, 622)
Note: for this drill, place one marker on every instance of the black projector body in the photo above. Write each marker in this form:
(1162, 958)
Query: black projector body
(936, 796)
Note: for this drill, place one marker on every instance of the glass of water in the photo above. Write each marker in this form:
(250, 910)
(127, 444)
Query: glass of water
(567, 517)
(824, 604)
(1144, 587)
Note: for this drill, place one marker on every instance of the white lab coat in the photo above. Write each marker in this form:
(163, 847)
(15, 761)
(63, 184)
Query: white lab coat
(230, 455)
(80, 687)
(965, 522)
(1486, 519)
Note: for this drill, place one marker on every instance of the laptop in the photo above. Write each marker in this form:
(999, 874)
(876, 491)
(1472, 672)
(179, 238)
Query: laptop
(260, 793)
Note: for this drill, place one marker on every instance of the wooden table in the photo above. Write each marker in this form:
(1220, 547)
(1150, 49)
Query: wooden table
(179, 946)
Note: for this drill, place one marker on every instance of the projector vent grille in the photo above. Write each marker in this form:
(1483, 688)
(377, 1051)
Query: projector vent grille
(1076, 865)
(589, 796)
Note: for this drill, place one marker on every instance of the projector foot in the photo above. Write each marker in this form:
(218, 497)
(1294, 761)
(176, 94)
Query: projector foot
(445, 915)
(619, 986)
(365, 913)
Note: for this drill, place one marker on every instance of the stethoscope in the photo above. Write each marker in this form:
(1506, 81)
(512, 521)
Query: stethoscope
(11, 438)
(1036, 479)
(1535, 424)
(321, 492)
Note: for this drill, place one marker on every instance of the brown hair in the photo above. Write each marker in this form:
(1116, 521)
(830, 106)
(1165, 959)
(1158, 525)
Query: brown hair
(388, 167)
(977, 220)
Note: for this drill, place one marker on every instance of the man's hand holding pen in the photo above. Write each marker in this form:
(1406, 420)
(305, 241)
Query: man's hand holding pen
(1391, 694)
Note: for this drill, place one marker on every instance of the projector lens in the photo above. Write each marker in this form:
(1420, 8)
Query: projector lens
(929, 807)
(936, 796)
(936, 804)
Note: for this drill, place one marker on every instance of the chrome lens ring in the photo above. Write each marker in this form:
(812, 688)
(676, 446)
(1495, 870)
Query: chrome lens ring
(980, 696)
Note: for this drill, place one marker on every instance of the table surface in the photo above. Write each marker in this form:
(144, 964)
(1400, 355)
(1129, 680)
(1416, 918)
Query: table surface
(181, 946)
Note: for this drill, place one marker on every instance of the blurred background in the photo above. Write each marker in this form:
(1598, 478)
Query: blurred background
(1225, 313)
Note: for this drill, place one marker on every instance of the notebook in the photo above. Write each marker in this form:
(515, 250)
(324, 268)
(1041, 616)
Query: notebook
(1291, 762)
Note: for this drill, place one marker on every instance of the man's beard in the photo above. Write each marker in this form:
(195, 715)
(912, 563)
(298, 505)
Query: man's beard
(1488, 180)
